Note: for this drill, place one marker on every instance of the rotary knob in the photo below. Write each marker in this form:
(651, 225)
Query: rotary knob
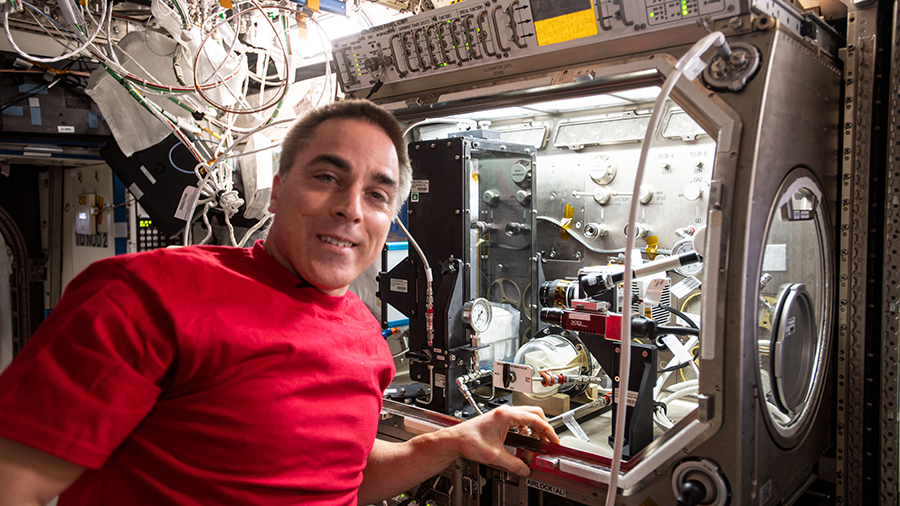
(602, 195)
(641, 230)
(372, 64)
(523, 197)
(593, 230)
(603, 170)
(693, 191)
(491, 197)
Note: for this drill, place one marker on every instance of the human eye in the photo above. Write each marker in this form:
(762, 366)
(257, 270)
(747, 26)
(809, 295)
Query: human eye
(325, 178)
(380, 196)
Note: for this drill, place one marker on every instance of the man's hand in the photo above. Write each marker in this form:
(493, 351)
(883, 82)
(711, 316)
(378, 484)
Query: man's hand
(481, 439)
(396, 467)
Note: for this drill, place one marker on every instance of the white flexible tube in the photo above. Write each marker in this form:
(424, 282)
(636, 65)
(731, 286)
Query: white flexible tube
(661, 419)
(688, 64)
(625, 340)
(80, 48)
(429, 295)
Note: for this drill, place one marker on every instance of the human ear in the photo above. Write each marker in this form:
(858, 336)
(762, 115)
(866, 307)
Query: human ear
(276, 186)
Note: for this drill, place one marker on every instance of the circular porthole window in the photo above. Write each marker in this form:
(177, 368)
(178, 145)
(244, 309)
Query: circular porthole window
(794, 300)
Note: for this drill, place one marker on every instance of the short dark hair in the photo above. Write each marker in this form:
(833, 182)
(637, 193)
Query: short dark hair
(301, 132)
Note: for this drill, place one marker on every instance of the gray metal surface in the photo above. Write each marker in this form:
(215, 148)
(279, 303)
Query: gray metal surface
(858, 81)
(445, 44)
(780, 121)
(796, 126)
(891, 292)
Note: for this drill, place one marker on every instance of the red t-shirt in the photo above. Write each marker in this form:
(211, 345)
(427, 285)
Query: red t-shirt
(201, 375)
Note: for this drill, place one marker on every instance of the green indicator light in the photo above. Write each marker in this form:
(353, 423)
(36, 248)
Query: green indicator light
(652, 14)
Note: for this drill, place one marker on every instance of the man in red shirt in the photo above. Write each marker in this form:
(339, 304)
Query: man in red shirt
(149, 384)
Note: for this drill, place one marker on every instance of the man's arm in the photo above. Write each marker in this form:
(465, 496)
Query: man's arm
(393, 468)
(31, 477)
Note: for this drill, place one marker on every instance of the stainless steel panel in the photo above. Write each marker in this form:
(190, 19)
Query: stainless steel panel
(788, 116)
(890, 354)
(858, 82)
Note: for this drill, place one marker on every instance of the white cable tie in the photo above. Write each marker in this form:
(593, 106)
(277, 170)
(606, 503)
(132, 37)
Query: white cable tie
(569, 419)
(674, 344)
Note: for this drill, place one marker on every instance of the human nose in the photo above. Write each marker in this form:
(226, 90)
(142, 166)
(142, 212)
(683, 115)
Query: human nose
(349, 205)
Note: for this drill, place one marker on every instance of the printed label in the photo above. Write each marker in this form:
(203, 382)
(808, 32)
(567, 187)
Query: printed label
(631, 400)
(92, 240)
(148, 175)
(135, 191)
(187, 203)
(685, 287)
(791, 326)
(399, 285)
(420, 186)
(654, 291)
(546, 488)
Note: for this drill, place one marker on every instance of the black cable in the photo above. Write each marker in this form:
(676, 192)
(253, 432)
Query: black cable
(681, 315)
(375, 88)
(60, 79)
(27, 95)
(661, 405)
(681, 331)
(673, 368)
(694, 353)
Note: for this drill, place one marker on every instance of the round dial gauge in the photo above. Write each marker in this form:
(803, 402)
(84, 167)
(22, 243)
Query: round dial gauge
(477, 314)
(685, 246)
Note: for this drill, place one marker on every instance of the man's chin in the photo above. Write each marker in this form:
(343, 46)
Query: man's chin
(329, 284)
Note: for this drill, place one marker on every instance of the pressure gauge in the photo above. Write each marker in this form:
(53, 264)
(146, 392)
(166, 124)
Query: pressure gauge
(686, 246)
(477, 314)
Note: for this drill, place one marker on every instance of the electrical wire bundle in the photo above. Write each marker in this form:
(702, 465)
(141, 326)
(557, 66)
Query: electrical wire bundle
(201, 96)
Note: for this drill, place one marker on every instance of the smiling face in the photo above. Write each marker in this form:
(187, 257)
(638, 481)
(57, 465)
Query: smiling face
(334, 208)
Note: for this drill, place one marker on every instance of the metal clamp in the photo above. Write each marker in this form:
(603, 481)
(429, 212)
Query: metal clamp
(482, 30)
(400, 73)
(422, 63)
(497, 30)
(471, 44)
(406, 53)
(456, 42)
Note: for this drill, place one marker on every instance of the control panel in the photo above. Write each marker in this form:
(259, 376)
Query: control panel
(477, 33)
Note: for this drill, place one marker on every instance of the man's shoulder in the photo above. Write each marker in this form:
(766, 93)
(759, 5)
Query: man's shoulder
(172, 263)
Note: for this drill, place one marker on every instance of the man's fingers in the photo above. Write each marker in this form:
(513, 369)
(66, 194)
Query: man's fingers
(513, 464)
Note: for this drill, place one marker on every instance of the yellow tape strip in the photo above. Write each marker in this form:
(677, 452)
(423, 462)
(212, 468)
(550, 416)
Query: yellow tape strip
(302, 30)
(568, 27)
(566, 222)
(652, 247)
